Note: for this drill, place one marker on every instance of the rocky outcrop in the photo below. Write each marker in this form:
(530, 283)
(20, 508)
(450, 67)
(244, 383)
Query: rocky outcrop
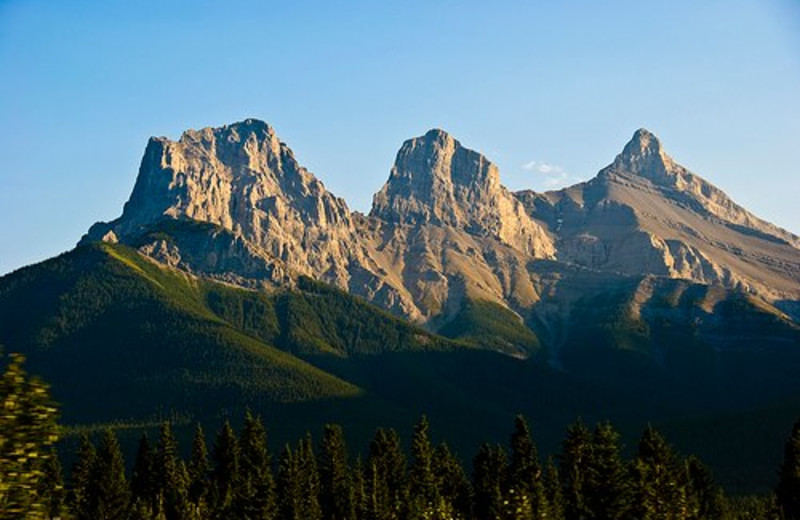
(233, 203)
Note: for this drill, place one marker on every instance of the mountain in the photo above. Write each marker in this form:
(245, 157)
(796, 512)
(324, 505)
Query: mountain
(234, 278)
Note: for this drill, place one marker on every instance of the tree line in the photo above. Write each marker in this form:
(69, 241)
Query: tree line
(237, 478)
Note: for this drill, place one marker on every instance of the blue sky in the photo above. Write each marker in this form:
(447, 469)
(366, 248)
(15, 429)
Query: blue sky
(550, 91)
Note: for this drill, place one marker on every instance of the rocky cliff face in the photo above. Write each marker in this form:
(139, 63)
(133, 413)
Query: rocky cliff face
(233, 203)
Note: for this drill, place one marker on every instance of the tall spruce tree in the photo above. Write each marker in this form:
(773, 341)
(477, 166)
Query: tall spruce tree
(359, 490)
(110, 496)
(525, 489)
(788, 490)
(171, 476)
(553, 491)
(225, 474)
(255, 485)
(608, 486)
(385, 477)
(423, 493)
(490, 474)
(454, 487)
(289, 505)
(705, 500)
(27, 430)
(198, 472)
(52, 492)
(576, 452)
(144, 481)
(658, 492)
(308, 475)
(81, 494)
(336, 492)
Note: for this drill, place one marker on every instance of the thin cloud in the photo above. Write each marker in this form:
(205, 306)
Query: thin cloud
(554, 175)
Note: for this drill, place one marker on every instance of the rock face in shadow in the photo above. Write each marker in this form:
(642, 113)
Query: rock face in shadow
(233, 203)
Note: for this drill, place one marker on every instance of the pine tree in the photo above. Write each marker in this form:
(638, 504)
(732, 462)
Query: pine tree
(289, 506)
(575, 462)
(171, 476)
(110, 497)
(336, 493)
(308, 475)
(490, 473)
(421, 480)
(788, 490)
(704, 499)
(553, 491)
(144, 481)
(658, 491)
(81, 495)
(198, 471)
(385, 477)
(359, 491)
(452, 482)
(225, 474)
(526, 491)
(255, 486)
(27, 430)
(607, 487)
(52, 492)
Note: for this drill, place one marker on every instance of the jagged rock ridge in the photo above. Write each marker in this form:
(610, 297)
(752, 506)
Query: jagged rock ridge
(443, 230)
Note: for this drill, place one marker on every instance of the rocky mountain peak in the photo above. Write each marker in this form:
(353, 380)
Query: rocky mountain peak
(645, 156)
(435, 180)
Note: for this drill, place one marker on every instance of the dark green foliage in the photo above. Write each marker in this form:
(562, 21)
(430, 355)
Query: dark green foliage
(492, 326)
(144, 481)
(455, 490)
(526, 494)
(226, 471)
(489, 477)
(608, 486)
(576, 453)
(788, 489)
(658, 492)
(308, 475)
(52, 491)
(336, 491)
(171, 476)
(422, 489)
(109, 492)
(289, 504)
(199, 471)
(385, 477)
(553, 491)
(80, 498)
(27, 430)
(705, 501)
(255, 486)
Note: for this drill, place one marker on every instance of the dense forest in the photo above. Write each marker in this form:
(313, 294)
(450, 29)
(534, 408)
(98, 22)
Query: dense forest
(238, 477)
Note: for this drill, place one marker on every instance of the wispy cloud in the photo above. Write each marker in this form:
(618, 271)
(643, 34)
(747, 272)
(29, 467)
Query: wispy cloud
(554, 175)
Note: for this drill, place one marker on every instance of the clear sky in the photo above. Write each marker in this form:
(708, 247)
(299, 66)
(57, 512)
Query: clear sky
(550, 91)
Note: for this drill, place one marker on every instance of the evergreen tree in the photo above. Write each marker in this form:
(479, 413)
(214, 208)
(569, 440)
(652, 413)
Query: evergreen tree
(525, 488)
(452, 482)
(171, 476)
(788, 490)
(52, 492)
(255, 486)
(490, 473)
(575, 462)
(704, 499)
(553, 492)
(226, 471)
(359, 490)
(423, 494)
(144, 481)
(81, 495)
(27, 430)
(608, 486)
(385, 477)
(289, 506)
(658, 491)
(308, 475)
(198, 472)
(336, 493)
(110, 495)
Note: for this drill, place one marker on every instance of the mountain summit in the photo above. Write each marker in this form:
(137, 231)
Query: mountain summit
(233, 203)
